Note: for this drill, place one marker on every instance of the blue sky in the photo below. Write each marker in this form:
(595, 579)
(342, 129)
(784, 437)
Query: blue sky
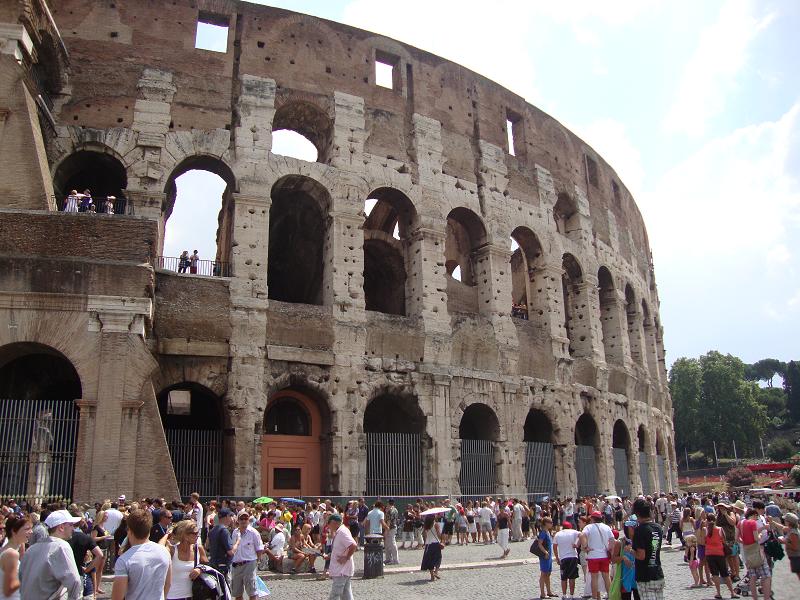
(695, 104)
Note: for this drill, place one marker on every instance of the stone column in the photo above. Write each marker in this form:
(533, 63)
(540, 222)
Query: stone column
(634, 479)
(604, 455)
(443, 476)
(514, 447)
(636, 335)
(126, 462)
(349, 132)
(494, 301)
(546, 286)
(144, 203)
(84, 451)
(343, 276)
(566, 477)
(586, 330)
(616, 345)
(651, 351)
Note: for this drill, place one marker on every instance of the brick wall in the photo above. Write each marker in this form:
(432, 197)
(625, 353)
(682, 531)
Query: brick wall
(196, 308)
(101, 237)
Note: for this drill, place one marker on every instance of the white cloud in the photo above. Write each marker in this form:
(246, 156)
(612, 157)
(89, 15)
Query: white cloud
(610, 139)
(710, 74)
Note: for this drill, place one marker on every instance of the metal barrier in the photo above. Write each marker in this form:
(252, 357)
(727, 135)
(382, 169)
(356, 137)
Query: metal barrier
(37, 448)
(644, 473)
(661, 469)
(394, 464)
(586, 467)
(540, 474)
(621, 479)
(197, 460)
(477, 477)
(119, 206)
(208, 268)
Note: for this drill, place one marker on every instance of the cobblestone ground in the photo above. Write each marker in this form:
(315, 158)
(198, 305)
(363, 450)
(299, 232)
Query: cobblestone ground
(519, 582)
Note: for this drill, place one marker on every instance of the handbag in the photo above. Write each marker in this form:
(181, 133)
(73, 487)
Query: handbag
(205, 586)
(751, 553)
(536, 549)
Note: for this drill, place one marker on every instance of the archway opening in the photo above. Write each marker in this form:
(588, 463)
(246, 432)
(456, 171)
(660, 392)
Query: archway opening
(661, 464)
(198, 216)
(295, 447)
(565, 215)
(574, 323)
(39, 418)
(621, 447)
(635, 332)
(609, 317)
(526, 260)
(395, 440)
(101, 173)
(466, 234)
(193, 423)
(644, 463)
(297, 234)
(302, 130)
(586, 445)
(539, 454)
(479, 429)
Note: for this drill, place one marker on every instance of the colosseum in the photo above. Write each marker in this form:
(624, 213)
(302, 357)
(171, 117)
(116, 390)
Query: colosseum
(489, 325)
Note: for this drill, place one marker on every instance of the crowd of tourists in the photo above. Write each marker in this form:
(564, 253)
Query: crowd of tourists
(158, 549)
(84, 202)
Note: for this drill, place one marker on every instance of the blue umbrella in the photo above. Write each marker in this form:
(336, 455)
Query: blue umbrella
(294, 500)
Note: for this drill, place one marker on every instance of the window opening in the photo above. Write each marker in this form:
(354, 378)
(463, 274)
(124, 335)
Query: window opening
(591, 170)
(387, 73)
(287, 417)
(456, 274)
(290, 143)
(510, 133)
(615, 190)
(286, 479)
(212, 32)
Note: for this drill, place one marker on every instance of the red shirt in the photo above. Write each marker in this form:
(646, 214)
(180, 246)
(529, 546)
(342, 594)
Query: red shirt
(749, 528)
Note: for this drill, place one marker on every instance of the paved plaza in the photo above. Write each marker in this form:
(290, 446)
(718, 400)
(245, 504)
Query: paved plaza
(515, 580)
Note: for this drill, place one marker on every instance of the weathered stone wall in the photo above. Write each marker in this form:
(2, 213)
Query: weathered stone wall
(139, 92)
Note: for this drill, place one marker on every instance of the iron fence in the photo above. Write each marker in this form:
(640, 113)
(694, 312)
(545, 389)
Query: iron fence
(37, 448)
(540, 475)
(662, 474)
(197, 460)
(621, 478)
(394, 464)
(644, 473)
(477, 476)
(102, 205)
(209, 268)
(586, 468)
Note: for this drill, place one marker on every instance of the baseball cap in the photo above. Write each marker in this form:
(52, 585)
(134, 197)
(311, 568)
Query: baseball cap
(225, 512)
(596, 515)
(59, 517)
(566, 525)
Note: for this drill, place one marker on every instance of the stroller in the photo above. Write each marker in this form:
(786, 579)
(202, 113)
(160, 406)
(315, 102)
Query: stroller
(742, 588)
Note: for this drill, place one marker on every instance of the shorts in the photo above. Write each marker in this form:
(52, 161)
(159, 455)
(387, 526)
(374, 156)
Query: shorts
(448, 528)
(598, 565)
(569, 568)
(761, 572)
(718, 566)
(701, 551)
(243, 579)
(494, 523)
(651, 590)
(794, 564)
(462, 529)
(735, 549)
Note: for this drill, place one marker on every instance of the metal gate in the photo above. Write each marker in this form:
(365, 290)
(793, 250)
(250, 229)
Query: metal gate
(621, 478)
(540, 475)
(662, 474)
(197, 460)
(644, 473)
(394, 464)
(37, 447)
(477, 468)
(586, 467)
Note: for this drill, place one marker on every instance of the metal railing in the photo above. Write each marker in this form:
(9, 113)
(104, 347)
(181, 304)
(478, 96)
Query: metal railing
(118, 206)
(209, 268)
(197, 459)
(477, 474)
(394, 464)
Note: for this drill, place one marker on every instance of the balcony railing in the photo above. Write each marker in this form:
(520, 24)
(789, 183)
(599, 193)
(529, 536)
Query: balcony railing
(209, 268)
(118, 206)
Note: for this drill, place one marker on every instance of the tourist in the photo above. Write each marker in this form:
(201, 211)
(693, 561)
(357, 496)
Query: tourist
(186, 554)
(18, 531)
(48, 566)
(486, 516)
(545, 542)
(86, 203)
(432, 557)
(408, 527)
(183, 261)
(715, 555)
(162, 527)
(449, 522)
(627, 562)
(694, 563)
(565, 550)
(196, 511)
(374, 523)
(143, 572)
(108, 205)
(392, 518)
(194, 260)
(352, 520)
(276, 546)
(503, 532)
(220, 544)
(83, 544)
(791, 538)
(726, 518)
(517, 512)
(247, 548)
(295, 552)
(342, 568)
(750, 530)
(71, 203)
(647, 540)
(597, 538)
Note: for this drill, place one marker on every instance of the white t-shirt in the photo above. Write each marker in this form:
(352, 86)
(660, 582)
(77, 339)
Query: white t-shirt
(145, 566)
(566, 539)
(518, 512)
(314, 517)
(197, 515)
(598, 536)
(277, 543)
(374, 518)
(486, 514)
(113, 520)
(569, 509)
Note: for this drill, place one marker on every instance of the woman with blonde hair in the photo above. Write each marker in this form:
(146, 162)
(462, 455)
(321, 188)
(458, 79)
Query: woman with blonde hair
(186, 553)
(103, 539)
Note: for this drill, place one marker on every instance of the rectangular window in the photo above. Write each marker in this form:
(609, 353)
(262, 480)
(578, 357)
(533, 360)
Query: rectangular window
(387, 72)
(286, 479)
(615, 190)
(591, 170)
(510, 133)
(514, 133)
(179, 402)
(212, 32)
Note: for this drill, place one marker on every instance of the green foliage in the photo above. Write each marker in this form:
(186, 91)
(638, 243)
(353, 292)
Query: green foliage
(794, 475)
(781, 450)
(773, 400)
(791, 384)
(765, 370)
(713, 400)
(740, 476)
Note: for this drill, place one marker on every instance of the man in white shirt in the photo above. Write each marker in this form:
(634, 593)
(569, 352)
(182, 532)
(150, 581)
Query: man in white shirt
(662, 504)
(48, 566)
(197, 512)
(276, 546)
(375, 523)
(516, 522)
(113, 519)
(485, 513)
(342, 567)
(565, 543)
(247, 549)
(597, 538)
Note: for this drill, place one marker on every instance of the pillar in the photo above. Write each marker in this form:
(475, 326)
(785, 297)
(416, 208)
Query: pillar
(546, 289)
(443, 468)
(492, 266)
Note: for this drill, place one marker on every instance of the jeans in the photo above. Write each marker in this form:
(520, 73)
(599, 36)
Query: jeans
(390, 543)
(676, 527)
(340, 589)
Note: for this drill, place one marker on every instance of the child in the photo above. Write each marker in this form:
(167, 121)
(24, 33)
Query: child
(694, 563)
(628, 570)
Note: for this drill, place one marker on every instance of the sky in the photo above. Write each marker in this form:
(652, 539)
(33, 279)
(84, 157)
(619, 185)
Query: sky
(696, 105)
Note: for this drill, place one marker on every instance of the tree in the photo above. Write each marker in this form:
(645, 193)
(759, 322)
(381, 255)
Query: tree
(765, 370)
(739, 477)
(794, 475)
(774, 402)
(781, 450)
(791, 384)
(685, 379)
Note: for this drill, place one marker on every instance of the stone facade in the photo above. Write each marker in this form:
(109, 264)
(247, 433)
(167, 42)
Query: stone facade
(120, 87)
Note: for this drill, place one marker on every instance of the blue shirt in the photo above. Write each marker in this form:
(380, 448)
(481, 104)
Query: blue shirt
(629, 572)
(219, 542)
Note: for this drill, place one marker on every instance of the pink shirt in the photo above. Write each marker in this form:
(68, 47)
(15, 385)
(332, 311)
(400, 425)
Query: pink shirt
(341, 542)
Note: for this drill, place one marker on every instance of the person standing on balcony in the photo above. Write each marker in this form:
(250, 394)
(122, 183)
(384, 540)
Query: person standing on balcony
(194, 259)
(183, 261)
(71, 203)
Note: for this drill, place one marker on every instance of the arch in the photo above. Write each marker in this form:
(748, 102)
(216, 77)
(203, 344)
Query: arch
(571, 280)
(609, 317)
(384, 277)
(394, 413)
(538, 427)
(635, 331)
(642, 437)
(622, 458)
(465, 234)
(203, 411)
(307, 119)
(392, 209)
(526, 259)
(39, 445)
(565, 215)
(587, 442)
(198, 162)
(586, 432)
(297, 235)
(296, 443)
(620, 437)
(98, 170)
(479, 422)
